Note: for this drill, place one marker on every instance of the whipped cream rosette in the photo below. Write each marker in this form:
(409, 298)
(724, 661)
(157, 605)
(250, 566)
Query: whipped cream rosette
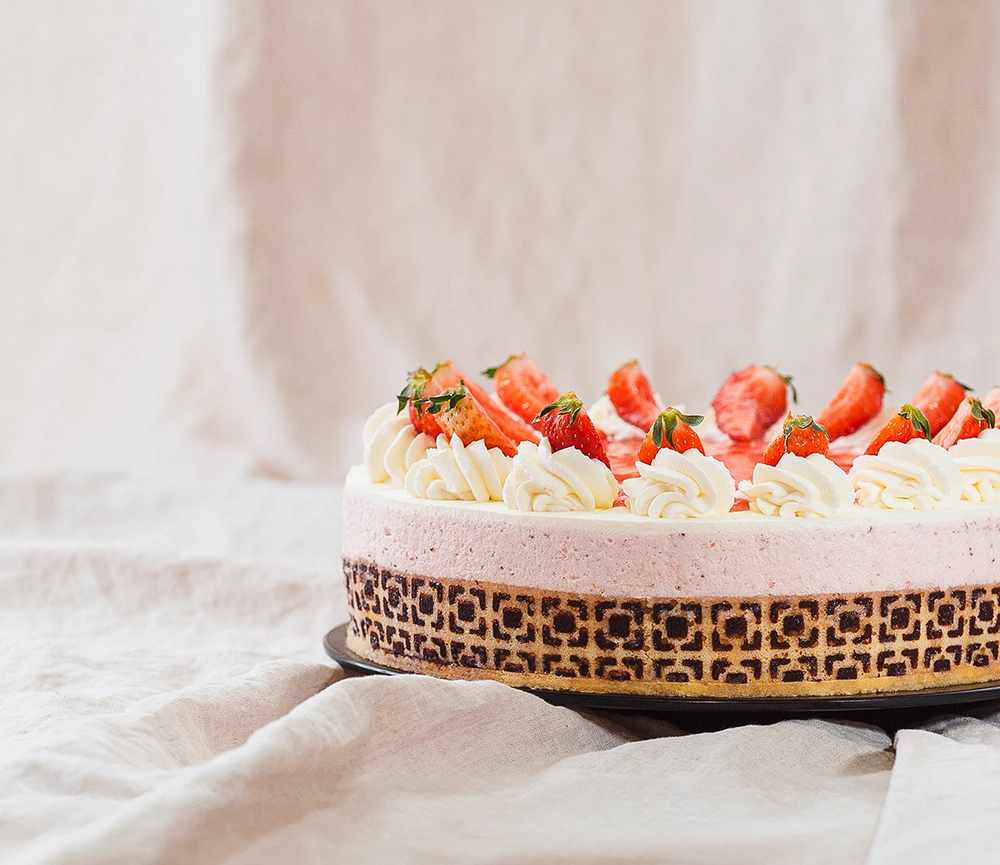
(564, 480)
(391, 444)
(912, 476)
(978, 460)
(811, 486)
(680, 486)
(453, 471)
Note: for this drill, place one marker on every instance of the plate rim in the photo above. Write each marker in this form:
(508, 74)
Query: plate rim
(334, 642)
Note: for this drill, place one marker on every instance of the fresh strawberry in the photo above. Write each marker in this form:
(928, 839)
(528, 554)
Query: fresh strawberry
(632, 395)
(908, 423)
(522, 386)
(801, 436)
(939, 398)
(671, 429)
(968, 422)
(461, 414)
(858, 400)
(566, 424)
(991, 400)
(750, 401)
(409, 397)
(447, 375)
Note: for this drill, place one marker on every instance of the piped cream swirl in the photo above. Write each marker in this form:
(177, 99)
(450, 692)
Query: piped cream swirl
(567, 480)
(453, 471)
(911, 476)
(391, 444)
(811, 486)
(978, 460)
(680, 486)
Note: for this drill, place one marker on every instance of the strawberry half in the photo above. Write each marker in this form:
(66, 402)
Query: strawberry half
(410, 397)
(566, 424)
(460, 414)
(522, 386)
(968, 422)
(857, 401)
(939, 398)
(671, 429)
(750, 401)
(908, 423)
(801, 436)
(632, 395)
(446, 375)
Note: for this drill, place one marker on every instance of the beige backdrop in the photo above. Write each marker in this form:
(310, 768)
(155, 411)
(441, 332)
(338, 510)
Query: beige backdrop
(229, 228)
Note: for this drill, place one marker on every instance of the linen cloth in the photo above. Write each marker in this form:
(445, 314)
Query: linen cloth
(166, 699)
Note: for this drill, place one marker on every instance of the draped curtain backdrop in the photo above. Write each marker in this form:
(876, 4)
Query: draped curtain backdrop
(228, 229)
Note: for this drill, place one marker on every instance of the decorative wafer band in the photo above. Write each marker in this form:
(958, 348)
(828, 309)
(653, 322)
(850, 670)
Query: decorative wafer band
(725, 646)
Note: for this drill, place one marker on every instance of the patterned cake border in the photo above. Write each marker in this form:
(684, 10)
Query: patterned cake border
(768, 646)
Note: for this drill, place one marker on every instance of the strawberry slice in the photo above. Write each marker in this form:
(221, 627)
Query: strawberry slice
(460, 414)
(968, 422)
(522, 386)
(908, 423)
(410, 397)
(566, 424)
(671, 429)
(857, 401)
(446, 375)
(632, 395)
(939, 398)
(750, 401)
(801, 436)
(623, 454)
(991, 399)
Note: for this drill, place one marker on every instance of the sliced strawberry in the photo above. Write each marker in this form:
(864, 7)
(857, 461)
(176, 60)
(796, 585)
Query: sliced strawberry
(460, 414)
(908, 423)
(632, 395)
(566, 424)
(801, 436)
(447, 375)
(857, 401)
(409, 397)
(750, 401)
(991, 399)
(671, 429)
(623, 454)
(522, 386)
(939, 398)
(968, 422)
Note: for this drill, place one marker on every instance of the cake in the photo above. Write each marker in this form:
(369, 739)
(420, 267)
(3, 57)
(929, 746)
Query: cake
(770, 571)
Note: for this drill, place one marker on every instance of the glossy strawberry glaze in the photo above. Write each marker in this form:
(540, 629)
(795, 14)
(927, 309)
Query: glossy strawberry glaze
(739, 457)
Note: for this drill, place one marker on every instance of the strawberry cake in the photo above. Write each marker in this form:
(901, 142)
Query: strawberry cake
(637, 548)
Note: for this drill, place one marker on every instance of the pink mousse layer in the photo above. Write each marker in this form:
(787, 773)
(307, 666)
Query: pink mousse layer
(616, 553)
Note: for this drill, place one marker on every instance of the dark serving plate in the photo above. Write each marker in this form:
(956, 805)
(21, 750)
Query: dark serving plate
(927, 698)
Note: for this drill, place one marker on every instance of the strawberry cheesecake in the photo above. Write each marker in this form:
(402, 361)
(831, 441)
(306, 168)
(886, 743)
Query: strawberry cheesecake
(637, 548)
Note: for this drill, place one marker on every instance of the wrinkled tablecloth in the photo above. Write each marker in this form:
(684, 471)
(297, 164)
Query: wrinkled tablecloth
(166, 698)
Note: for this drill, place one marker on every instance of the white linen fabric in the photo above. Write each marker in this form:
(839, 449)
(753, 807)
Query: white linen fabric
(228, 229)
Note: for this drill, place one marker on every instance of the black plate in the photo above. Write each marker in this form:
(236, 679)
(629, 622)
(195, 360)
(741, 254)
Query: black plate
(336, 648)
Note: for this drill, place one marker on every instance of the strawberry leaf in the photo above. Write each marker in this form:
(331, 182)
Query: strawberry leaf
(439, 402)
(491, 372)
(981, 413)
(916, 417)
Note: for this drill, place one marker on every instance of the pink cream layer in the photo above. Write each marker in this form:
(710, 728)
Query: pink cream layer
(616, 553)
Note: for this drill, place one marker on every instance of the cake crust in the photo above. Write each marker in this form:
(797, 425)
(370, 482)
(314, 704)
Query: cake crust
(765, 646)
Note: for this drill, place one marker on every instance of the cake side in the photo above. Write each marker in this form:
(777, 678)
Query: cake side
(742, 606)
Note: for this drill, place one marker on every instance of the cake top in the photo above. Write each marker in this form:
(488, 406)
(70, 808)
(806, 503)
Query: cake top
(535, 448)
